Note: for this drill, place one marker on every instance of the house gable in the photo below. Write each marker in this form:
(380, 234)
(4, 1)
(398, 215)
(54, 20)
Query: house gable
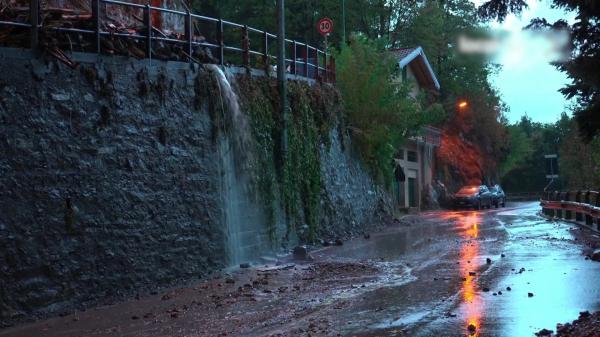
(416, 60)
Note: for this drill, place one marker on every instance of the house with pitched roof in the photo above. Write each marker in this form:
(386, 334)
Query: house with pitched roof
(415, 159)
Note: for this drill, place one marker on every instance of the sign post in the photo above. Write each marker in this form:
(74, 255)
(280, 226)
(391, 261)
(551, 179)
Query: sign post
(325, 27)
(551, 168)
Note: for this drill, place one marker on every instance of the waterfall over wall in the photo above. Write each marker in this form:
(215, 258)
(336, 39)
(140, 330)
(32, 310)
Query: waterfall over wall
(244, 218)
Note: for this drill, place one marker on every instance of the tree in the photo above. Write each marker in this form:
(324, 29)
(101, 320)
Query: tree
(380, 114)
(579, 162)
(583, 68)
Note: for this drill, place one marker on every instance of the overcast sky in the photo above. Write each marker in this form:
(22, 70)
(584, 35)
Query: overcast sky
(527, 82)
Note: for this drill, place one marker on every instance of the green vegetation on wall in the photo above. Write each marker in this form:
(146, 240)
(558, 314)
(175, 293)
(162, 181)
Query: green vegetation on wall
(296, 179)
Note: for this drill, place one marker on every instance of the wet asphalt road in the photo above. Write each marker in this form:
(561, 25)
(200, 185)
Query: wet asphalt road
(428, 276)
(450, 276)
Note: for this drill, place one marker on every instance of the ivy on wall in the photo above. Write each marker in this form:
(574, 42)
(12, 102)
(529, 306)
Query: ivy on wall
(296, 179)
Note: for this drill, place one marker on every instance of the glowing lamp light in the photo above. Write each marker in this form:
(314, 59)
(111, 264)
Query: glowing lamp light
(463, 104)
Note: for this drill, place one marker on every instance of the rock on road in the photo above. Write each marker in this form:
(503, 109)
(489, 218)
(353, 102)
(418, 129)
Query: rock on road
(505, 272)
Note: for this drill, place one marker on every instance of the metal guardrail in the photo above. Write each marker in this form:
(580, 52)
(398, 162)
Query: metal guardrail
(523, 196)
(301, 63)
(579, 206)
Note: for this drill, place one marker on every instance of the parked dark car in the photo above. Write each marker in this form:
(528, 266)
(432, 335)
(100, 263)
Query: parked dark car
(474, 196)
(498, 196)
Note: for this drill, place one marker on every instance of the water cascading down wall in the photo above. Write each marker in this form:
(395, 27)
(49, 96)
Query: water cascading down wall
(122, 176)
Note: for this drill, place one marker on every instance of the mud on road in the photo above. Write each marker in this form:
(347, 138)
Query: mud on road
(504, 272)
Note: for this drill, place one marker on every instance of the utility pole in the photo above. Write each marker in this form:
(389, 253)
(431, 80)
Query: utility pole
(343, 22)
(281, 75)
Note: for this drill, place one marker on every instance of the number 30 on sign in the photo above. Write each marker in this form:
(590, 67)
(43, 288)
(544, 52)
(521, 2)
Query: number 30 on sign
(325, 26)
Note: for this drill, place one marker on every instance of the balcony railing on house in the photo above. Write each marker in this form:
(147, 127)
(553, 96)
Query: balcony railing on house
(225, 42)
(429, 135)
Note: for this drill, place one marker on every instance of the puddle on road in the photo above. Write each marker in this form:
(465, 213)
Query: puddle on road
(407, 319)
(562, 282)
(390, 245)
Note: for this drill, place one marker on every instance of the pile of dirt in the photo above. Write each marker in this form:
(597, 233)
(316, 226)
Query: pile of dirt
(587, 325)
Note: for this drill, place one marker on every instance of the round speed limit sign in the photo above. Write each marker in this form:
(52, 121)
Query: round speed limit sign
(325, 26)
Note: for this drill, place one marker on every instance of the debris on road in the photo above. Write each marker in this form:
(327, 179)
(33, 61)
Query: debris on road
(596, 255)
(587, 325)
(301, 253)
(544, 332)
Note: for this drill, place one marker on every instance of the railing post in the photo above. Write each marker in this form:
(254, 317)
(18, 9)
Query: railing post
(306, 61)
(266, 50)
(317, 63)
(332, 68)
(96, 15)
(148, 21)
(294, 57)
(326, 75)
(189, 33)
(245, 46)
(34, 13)
(220, 41)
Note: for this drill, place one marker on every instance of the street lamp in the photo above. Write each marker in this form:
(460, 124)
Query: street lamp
(463, 104)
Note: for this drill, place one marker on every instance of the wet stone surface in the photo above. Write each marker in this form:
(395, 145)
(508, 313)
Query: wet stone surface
(423, 276)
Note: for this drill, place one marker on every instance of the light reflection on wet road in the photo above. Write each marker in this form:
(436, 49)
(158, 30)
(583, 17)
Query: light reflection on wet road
(469, 251)
(563, 283)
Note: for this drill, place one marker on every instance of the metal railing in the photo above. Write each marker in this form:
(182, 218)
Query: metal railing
(306, 61)
(523, 196)
(579, 206)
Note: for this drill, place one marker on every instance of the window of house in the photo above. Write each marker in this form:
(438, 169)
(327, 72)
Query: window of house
(400, 154)
(411, 156)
